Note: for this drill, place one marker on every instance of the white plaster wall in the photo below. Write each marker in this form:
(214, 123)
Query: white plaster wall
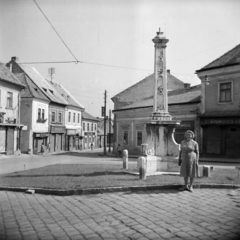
(39, 127)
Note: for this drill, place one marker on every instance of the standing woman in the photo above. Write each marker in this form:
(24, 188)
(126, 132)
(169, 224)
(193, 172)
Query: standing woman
(188, 160)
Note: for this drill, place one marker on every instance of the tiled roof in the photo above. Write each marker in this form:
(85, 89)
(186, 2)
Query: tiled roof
(41, 82)
(146, 85)
(86, 115)
(232, 57)
(31, 90)
(7, 76)
(178, 96)
(65, 94)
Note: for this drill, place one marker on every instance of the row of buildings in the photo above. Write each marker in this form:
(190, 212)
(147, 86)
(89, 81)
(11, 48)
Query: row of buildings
(210, 109)
(36, 111)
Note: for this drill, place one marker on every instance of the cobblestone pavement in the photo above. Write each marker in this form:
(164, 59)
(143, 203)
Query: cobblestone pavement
(204, 214)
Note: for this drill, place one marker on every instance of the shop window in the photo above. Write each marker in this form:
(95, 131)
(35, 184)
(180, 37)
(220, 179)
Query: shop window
(125, 138)
(9, 99)
(74, 116)
(60, 117)
(69, 117)
(139, 138)
(225, 92)
(53, 117)
(83, 126)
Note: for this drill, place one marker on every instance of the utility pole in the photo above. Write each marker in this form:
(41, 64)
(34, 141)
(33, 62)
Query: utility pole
(105, 107)
(109, 133)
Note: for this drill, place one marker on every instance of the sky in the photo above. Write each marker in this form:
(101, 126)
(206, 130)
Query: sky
(112, 40)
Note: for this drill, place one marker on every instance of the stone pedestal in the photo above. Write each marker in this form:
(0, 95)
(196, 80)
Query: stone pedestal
(160, 149)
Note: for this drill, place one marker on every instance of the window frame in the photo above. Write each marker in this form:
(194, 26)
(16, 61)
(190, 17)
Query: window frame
(9, 100)
(78, 118)
(83, 126)
(220, 91)
(125, 143)
(139, 131)
(53, 113)
(74, 117)
(69, 117)
(60, 117)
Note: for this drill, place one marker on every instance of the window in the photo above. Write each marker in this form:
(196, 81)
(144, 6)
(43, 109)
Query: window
(95, 127)
(125, 138)
(43, 114)
(39, 113)
(225, 92)
(74, 116)
(78, 117)
(53, 116)
(92, 127)
(139, 138)
(88, 127)
(9, 99)
(69, 117)
(83, 126)
(59, 117)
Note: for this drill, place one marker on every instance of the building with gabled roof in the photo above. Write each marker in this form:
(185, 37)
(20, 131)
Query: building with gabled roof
(73, 118)
(89, 131)
(51, 113)
(220, 114)
(133, 108)
(10, 126)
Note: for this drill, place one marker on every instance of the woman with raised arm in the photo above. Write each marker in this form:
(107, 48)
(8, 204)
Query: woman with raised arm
(188, 160)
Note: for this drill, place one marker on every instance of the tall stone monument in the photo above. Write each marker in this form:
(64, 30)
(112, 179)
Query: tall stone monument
(160, 146)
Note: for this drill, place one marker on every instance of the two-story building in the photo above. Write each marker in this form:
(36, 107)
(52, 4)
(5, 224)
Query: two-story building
(50, 113)
(10, 127)
(220, 109)
(73, 118)
(89, 131)
(133, 108)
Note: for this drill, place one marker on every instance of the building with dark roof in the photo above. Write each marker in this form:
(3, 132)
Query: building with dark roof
(220, 109)
(73, 118)
(10, 127)
(133, 108)
(43, 111)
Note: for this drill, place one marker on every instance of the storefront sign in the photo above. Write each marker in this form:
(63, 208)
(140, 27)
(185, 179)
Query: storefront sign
(71, 132)
(41, 135)
(58, 129)
(219, 121)
(186, 125)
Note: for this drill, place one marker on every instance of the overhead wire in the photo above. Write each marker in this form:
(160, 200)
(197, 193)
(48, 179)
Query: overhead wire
(55, 31)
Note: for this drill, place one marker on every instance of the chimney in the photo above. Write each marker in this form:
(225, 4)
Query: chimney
(14, 59)
(187, 85)
(168, 70)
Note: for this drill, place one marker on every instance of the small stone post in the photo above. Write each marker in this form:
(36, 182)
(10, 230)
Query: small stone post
(206, 171)
(142, 163)
(125, 159)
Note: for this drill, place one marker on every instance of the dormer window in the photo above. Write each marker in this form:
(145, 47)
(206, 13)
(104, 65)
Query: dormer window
(51, 91)
(45, 89)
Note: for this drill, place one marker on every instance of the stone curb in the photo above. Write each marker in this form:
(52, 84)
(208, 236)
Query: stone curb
(114, 189)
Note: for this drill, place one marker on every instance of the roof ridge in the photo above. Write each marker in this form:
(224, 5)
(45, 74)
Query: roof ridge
(222, 56)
